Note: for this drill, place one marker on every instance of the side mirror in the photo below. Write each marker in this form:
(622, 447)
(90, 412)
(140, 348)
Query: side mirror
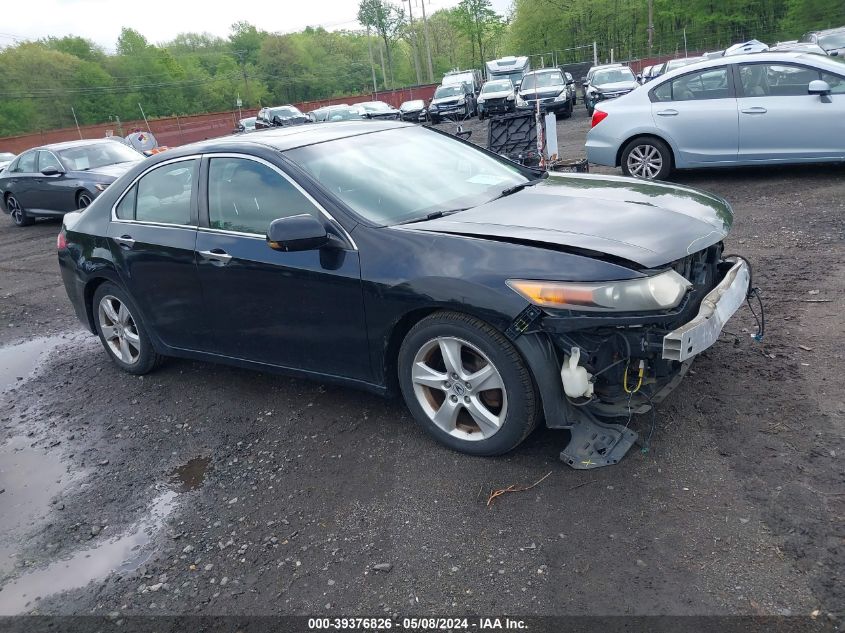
(570, 82)
(53, 171)
(277, 120)
(818, 87)
(584, 79)
(297, 233)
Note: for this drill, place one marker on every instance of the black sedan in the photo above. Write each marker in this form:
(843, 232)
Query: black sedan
(399, 259)
(54, 179)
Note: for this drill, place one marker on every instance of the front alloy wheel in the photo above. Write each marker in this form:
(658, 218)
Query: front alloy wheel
(466, 384)
(83, 201)
(459, 389)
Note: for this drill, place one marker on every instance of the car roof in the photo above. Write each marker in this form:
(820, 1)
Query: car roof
(762, 56)
(600, 66)
(837, 29)
(70, 144)
(543, 70)
(285, 138)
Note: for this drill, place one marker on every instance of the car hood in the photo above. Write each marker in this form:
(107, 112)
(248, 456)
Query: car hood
(110, 171)
(496, 95)
(542, 93)
(617, 86)
(447, 100)
(649, 224)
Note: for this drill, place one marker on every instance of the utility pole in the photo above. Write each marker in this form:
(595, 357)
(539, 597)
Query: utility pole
(685, 43)
(595, 54)
(414, 42)
(650, 27)
(427, 44)
(372, 65)
(242, 60)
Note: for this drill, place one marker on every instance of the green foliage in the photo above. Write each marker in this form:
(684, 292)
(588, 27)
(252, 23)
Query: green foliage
(198, 72)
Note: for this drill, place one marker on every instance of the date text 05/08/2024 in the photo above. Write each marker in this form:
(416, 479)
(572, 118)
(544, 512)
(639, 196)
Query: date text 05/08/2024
(415, 624)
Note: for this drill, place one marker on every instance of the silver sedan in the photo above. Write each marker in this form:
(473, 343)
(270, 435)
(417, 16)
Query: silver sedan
(761, 108)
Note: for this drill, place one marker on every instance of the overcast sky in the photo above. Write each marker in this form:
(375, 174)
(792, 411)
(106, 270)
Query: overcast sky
(161, 20)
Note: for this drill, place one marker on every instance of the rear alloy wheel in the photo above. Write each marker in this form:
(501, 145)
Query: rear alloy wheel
(83, 200)
(16, 211)
(466, 384)
(647, 158)
(121, 331)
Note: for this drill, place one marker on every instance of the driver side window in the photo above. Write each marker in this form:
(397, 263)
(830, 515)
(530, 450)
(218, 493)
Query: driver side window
(246, 196)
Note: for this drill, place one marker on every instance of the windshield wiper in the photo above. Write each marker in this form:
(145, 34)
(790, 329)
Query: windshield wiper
(432, 216)
(517, 188)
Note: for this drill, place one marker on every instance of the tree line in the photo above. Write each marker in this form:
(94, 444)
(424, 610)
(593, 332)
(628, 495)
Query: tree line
(59, 81)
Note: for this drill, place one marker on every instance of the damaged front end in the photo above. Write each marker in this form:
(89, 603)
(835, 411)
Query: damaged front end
(611, 365)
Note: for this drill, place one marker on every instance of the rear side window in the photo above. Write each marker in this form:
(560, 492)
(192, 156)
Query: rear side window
(126, 209)
(711, 83)
(25, 164)
(164, 194)
(775, 80)
(246, 196)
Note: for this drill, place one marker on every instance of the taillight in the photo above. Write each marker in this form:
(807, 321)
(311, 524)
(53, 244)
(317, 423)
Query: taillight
(61, 240)
(598, 117)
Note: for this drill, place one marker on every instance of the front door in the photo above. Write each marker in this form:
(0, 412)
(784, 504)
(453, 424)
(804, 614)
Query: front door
(697, 113)
(54, 192)
(780, 121)
(152, 237)
(302, 310)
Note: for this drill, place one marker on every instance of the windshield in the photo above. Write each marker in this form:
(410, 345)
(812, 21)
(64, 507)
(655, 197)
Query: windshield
(6, 156)
(542, 80)
(344, 114)
(448, 91)
(831, 42)
(412, 105)
(285, 112)
(612, 76)
(514, 78)
(374, 106)
(497, 86)
(405, 174)
(463, 78)
(87, 157)
(679, 63)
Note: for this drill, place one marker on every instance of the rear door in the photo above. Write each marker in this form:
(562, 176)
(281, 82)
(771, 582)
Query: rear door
(697, 113)
(22, 180)
(780, 121)
(152, 234)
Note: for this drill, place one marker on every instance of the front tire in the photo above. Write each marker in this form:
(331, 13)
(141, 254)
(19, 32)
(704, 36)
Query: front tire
(647, 158)
(467, 385)
(83, 199)
(17, 212)
(122, 332)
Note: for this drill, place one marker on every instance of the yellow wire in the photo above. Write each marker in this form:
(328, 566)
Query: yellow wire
(639, 381)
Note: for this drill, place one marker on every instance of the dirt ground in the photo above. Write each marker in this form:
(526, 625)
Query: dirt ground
(290, 492)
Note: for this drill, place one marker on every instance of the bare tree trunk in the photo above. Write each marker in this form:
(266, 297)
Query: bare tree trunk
(383, 69)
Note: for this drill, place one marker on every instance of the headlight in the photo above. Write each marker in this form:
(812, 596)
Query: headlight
(433, 106)
(510, 97)
(462, 101)
(101, 186)
(480, 99)
(561, 96)
(520, 101)
(659, 292)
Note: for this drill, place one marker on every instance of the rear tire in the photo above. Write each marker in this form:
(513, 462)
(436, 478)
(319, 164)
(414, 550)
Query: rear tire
(647, 158)
(490, 404)
(17, 212)
(122, 331)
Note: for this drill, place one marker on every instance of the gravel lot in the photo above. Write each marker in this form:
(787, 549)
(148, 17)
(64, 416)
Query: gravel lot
(290, 492)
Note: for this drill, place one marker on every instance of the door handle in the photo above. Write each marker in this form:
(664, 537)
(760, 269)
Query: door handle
(217, 255)
(668, 113)
(125, 241)
(755, 110)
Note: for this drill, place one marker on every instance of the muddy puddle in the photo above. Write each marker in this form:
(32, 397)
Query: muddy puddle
(124, 552)
(18, 362)
(30, 478)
